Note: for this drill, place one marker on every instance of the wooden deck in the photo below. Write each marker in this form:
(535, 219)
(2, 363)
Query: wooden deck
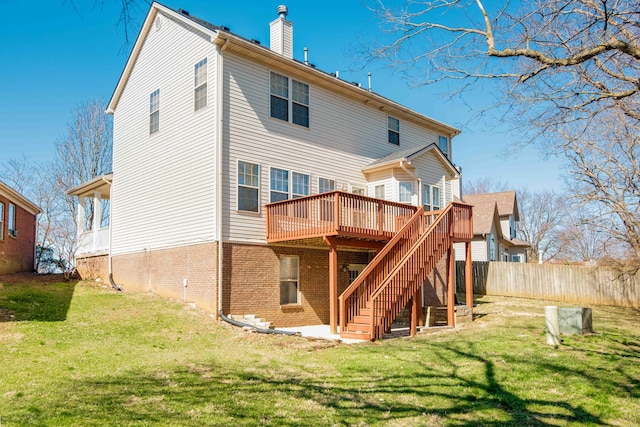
(335, 214)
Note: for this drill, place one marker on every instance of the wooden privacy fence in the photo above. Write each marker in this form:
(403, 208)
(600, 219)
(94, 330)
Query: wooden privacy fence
(575, 284)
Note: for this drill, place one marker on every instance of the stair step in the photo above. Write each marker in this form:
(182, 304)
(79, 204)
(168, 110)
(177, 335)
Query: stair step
(360, 327)
(365, 311)
(356, 335)
(362, 319)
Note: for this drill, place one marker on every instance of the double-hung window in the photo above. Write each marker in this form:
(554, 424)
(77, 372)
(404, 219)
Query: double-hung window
(326, 185)
(281, 103)
(1, 220)
(279, 185)
(154, 111)
(299, 185)
(200, 85)
(430, 197)
(289, 279)
(393, 126)
(405, 192)
(248, 187)
(11, 221)
(443, 145)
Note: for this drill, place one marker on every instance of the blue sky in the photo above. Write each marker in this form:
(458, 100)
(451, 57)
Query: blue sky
(55, 56)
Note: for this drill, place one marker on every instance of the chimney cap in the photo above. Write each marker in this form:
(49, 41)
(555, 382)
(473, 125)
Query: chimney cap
(282, 11)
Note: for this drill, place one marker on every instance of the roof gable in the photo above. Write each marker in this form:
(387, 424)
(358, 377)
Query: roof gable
(15, 197)
(407, 155)
(506, 202)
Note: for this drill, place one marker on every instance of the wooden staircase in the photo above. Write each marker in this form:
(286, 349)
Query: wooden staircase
(372, 302)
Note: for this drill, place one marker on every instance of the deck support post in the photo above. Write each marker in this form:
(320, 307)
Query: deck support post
(451, 287)
(468, 276)
(333, 285)
(414, 312)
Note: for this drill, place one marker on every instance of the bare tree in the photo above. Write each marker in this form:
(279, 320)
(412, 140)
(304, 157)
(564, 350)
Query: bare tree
(559, 62)
(542, 221)
(84, 152)
(604, 168)
(487, 184)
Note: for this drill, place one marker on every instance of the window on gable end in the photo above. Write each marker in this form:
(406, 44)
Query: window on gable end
(393, 126)
(248, 187)
(200, 85)
(443, 145)
(154, 111)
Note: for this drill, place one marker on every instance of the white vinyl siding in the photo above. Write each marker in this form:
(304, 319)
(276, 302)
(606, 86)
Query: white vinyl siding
(344, 137)
(163, 194)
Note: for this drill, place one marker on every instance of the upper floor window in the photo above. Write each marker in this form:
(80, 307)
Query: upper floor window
(154, 111)
(282, 103)
(393, 126)
(512, 227)
(380, 191)
(1, 220)
(200, 85)
(248, 187)
(405, 192)
(326, 185)
(11, 221)
(443, 145)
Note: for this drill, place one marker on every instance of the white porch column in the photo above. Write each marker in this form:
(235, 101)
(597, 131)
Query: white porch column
(97, 216)
(80, 219)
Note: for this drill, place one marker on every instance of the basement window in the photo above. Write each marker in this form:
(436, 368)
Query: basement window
(289, 280)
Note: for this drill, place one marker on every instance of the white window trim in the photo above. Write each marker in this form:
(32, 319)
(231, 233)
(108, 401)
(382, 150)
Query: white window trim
(238, 185)
(1, 221)
(308, 175)
(205, 63)
(328, 179)
(290, 100)
(11, 220)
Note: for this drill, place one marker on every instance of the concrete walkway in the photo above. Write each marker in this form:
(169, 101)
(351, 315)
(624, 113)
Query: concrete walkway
(322, 332)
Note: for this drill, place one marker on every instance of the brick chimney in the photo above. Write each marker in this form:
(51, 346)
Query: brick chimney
(282, 33)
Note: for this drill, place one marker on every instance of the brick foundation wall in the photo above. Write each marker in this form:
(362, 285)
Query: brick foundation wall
(92, 268)
(16, 254)
(163, 271)
(252, 282)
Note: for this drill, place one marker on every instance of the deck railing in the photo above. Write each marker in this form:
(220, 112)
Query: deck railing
(335, 214)
(401, 267)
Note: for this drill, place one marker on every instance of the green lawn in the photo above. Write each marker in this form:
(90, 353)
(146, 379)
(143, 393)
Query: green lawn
(79, 354)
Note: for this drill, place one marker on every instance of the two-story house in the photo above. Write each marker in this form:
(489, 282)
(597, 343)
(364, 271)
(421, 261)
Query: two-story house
(495, 218)
(17, 231)
(247, 181)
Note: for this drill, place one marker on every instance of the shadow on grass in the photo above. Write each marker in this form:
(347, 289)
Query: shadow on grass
(362, 394)
(42, 298)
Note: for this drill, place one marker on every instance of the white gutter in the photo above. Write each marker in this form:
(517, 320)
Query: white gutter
(219, 151)
(403, 164)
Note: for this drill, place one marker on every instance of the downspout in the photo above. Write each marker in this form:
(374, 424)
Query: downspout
(403, 165)
(219, 153)
(109, 265)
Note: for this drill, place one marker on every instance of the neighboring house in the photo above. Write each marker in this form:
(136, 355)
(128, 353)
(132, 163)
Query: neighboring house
(249, 182)
(17, 231)
(495, 217)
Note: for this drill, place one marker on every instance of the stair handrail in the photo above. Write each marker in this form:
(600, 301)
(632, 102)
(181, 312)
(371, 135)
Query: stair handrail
(358, 282)
(447, 236)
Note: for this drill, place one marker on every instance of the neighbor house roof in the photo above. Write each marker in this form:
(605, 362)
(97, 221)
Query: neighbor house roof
(506, 201)
(408, 155)
(239, 45)
(15, 197)
(485, 215)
